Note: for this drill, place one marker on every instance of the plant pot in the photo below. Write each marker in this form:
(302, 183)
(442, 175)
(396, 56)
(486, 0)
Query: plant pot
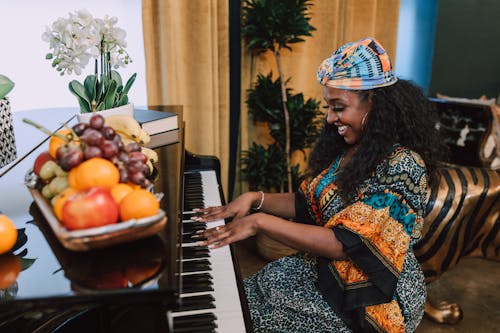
(127, 109)
(270, 250)
(8, 151)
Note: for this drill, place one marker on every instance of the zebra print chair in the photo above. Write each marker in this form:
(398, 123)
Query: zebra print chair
(463, 210)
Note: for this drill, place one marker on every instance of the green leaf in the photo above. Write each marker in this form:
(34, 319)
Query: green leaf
(90, 85)
(6, 85)
(109, 98)
(77, 89)
(129, 84)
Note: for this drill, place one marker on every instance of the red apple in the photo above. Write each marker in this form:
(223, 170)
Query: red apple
(89, 208)
(40, 161)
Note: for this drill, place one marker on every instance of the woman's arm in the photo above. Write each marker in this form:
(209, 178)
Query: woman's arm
(312, 239)
(281, 204)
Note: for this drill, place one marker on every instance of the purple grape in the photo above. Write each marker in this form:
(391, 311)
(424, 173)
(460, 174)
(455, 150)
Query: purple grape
(109, 149)
(118, 140)
(92, 137)
(132, 146)
(136, 166)
(69, 156)
(92, 151)
(108, 132)
(96, 122)
(80, 128)
(123, 156)
(123, 175)
(137, 156)
(137, 178)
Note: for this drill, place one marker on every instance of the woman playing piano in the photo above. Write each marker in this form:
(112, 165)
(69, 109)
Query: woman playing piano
(357, 214)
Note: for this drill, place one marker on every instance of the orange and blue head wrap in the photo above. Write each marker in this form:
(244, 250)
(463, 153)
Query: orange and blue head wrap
(359, 65)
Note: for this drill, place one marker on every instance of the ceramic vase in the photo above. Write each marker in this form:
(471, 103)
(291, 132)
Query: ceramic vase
(127, 109)
(8, 151)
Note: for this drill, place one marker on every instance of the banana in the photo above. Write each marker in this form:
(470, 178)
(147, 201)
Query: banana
(150, 154)
(125, 138)
(150, 166)
(124, 124)
(144, 138)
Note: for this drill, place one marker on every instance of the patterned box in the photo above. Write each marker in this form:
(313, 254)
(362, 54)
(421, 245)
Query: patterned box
(8, 151)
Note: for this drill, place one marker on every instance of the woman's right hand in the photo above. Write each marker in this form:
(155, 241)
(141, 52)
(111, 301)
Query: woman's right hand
(235, 209)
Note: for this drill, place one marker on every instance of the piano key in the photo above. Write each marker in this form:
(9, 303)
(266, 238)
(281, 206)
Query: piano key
(197, 302)
(227, 303)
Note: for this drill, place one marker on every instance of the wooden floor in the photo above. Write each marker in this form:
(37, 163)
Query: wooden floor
(473, 283)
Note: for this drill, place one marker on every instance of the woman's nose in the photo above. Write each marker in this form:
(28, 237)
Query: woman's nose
(332, 116)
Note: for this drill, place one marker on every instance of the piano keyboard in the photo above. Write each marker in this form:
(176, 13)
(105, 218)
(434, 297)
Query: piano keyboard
(209, 300)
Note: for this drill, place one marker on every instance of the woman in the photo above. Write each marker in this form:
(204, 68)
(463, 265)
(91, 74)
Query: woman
(361, 208)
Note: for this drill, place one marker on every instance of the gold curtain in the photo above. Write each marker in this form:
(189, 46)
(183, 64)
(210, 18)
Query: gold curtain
(336, 22)
(186, 47)
(187, 61)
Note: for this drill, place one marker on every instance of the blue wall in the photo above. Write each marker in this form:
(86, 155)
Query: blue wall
(415, 46)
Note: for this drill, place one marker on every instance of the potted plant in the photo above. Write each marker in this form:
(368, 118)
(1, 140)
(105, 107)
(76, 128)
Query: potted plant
(271, 26)
(74, 42)
(8, 151)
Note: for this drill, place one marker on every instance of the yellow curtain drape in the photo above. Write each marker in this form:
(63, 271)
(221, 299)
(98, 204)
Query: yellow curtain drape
(187, 63)
(336, 22)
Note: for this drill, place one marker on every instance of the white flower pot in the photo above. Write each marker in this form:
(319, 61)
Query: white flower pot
(8, 151)
(124, 109)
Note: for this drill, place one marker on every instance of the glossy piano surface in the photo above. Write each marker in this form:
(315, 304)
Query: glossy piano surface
(139, 271)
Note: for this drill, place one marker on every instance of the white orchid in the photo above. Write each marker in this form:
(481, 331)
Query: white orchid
(74, 42)
(80, 37)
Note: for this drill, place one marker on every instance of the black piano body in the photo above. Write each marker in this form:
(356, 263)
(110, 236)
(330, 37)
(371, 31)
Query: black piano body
(61, 292)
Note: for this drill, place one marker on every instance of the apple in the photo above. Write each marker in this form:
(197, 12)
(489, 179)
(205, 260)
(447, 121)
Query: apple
(89, 208)
(40, 161)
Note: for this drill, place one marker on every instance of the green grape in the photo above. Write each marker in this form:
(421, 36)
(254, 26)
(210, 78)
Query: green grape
(58, 184)
(48, 170)
(47, 192)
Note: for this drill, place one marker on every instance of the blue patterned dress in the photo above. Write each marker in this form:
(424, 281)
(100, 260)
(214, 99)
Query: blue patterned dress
(380, 287)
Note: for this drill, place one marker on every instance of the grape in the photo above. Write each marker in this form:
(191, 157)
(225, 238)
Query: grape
(137, 178)
(48, 170)
(123, 156)
(137, 156)
(69, 156)
(123, 175)
(108, 132)
(92, 151)
(135, 166)
(92, 137)
(96, 122)
(118, 140)
(109, 149)
(80, 128)
(132, 146)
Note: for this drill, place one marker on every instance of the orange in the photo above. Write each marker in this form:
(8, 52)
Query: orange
(137, 204)
(59, 200)
(56, 142)
(120, 190)
(10, 266)
(96, 171)
(8, 234)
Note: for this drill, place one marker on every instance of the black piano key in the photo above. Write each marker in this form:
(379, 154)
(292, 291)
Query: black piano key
(192, 238)
(198, 277)
(193, 252)
(203, 320)
(197, 302)
(196, 265)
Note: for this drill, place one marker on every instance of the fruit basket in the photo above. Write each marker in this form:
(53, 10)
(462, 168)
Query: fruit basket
(98, 237)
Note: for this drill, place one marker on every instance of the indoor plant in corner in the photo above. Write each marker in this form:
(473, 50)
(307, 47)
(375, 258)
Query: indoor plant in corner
(80, 38)
(8, 151)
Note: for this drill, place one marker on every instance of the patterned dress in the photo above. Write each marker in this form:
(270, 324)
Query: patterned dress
(380, 287)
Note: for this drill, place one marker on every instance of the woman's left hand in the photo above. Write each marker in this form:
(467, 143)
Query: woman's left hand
(238, 229)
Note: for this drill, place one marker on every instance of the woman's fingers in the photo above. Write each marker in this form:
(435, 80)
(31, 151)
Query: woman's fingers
(211, 213)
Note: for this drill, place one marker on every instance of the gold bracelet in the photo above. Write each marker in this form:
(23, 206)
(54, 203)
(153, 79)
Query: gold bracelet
(259, 206)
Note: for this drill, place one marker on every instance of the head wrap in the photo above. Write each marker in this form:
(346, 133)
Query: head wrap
(359, 65)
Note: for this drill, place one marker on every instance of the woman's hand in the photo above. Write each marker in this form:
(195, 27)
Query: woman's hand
(234, 231)
(235, 209)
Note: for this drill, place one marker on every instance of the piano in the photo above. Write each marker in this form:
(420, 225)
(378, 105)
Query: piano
(196, 289)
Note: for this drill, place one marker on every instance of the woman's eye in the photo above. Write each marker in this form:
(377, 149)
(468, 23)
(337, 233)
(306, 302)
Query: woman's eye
(338, 108)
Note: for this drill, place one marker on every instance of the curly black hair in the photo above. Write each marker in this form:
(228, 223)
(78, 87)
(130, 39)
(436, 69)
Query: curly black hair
(400, 113)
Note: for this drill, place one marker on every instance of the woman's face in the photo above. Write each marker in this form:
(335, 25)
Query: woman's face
(346, 111)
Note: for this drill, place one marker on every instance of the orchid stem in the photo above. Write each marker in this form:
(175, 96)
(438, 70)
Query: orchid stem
(45, 130)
